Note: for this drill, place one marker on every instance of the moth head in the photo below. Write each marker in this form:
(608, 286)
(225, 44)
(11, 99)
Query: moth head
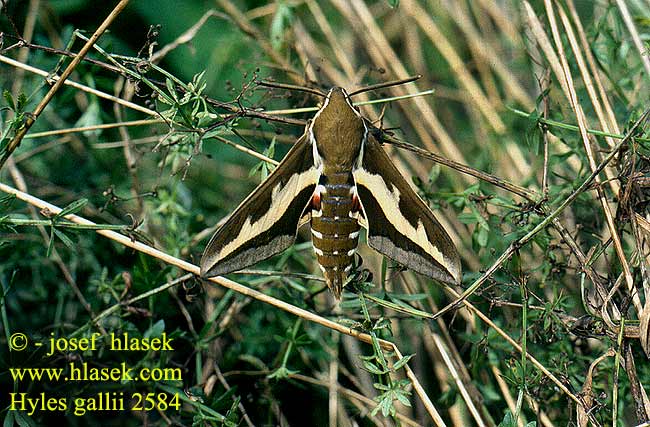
(338, 129)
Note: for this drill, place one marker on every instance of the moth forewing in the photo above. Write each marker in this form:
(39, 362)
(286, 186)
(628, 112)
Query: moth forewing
(400, 225)
(266, 222)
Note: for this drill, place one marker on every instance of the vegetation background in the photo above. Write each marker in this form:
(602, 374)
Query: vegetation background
(541, 176)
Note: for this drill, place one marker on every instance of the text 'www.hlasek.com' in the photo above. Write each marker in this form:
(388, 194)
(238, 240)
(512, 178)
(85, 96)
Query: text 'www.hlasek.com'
(67, 353)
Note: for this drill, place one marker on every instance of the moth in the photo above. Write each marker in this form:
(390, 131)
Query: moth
(338, 178)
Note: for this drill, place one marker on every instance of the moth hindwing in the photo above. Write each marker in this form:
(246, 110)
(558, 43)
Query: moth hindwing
(338, 178)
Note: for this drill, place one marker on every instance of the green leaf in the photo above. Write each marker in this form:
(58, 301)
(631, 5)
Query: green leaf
(402, 397)
(204, 119)
(155, 330)
(381, 387)
(198, 83)
(23, 420)
(387, 406)
(508, 420)
(281, 373)
(91, 117)
(398, 306)
(9, 419)
(434, 173)
(482, 236)
(394, 296)
(72, 208)
(10, 99)
(193, 402)
(393, 3)
(372, 368)
(403, 361)
(6, 201)
(171, 88)
(302, 340)
(65, 239)
(22, 101)
(50, 245)
(264, 167)
(468, 217)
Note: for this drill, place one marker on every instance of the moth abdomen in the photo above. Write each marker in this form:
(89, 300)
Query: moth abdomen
(335, 233)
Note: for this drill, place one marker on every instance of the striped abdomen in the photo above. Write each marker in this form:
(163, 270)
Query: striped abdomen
(334, 227)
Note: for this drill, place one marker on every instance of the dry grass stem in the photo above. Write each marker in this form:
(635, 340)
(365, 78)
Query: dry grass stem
(76, 85)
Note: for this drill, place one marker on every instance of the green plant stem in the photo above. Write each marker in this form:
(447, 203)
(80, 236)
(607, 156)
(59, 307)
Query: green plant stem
(294, 334)
(524, 346)
(399, 308)
(574, 128)
(379, 354)
(62, 224)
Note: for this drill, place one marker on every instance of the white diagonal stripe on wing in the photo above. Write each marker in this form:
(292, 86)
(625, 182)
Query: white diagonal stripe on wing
(281, 199)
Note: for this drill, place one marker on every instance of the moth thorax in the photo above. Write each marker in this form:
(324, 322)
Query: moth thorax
(339, 132)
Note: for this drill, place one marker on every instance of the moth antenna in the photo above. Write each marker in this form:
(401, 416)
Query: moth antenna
(287, 86)
(386, 84)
